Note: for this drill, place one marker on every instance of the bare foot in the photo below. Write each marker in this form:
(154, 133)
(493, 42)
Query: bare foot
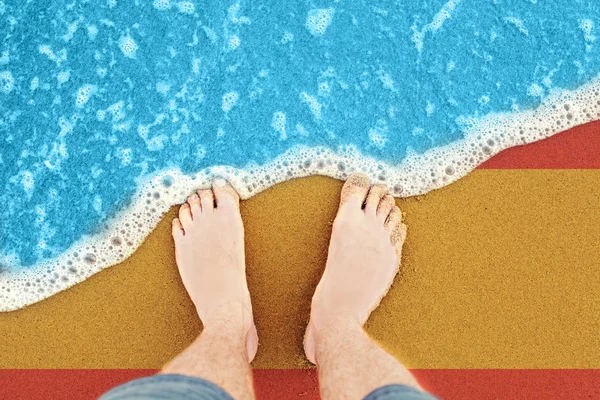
(209, 248)
(364, 257)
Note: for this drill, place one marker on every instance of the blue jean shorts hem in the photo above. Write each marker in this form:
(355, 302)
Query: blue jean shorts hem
(175, 386)
(167, 386)
(398, 392)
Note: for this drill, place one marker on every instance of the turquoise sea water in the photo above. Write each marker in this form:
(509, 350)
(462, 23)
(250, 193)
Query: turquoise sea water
(96, 95)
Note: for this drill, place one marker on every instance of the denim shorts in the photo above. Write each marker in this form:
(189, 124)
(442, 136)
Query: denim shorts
(174, 386)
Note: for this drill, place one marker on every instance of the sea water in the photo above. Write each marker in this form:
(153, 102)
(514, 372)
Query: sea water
(111, 111)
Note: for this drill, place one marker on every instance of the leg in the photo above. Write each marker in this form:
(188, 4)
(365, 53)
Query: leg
(209, 248)
(364, 255)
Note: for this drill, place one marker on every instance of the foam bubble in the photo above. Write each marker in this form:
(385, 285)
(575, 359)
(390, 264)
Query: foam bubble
(287, 37)
(200, 151)
(63, 77)
(535, 90)
(430, 108)
(517, 23)
(233, 42)
(229, 100)
(161, 5)
(278, 123)
(28, 182)
(301, 130)
(35, 83)
(386, 80)
(313, 104)
(92, 31)
(318, 20)
(128, 46)
(233, 15)
(72, 29)
(83, 94)
(196, 62)
(116, 111)
(379, 134)
(5, 58)
(7, 82)
(232, 12)
(324, 89)
(186, 7)
(587, 25)
(483, 100)
(125, 155)
(163, 87)
(436, 23)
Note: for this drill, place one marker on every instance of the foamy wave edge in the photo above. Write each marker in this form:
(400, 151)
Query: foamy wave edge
(416, 174)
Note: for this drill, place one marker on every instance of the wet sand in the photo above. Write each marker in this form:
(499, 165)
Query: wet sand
(500, 270)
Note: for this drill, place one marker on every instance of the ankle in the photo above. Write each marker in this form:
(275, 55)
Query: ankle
(332, 333)
(232, 319)
(337, 324)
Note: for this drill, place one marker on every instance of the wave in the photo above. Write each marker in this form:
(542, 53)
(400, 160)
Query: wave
(416, 174)
(111, 112)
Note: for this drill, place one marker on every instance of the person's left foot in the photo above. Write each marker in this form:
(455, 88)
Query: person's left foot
(209, 248)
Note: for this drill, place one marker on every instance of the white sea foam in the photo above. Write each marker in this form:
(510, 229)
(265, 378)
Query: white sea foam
(162, 5)
(436, 23)
(229, 100)
(186, 7)
(128, 46)
(417, 174)
(318, 20)
(278, 124)
(233, 42)
(84, 93)
(63, 76)
(92, 32)
(7, 82)
(313, 104)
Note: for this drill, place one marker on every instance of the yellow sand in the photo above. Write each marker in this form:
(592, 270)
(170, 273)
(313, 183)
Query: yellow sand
(500, 270)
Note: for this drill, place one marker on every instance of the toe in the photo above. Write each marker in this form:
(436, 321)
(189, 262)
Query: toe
(393, 219)
(207, 200)
(177, 228)
(185, 216)
(355, 190)
(385, 206)
(225, 194)
(399, 234)
(374, 197)
(398, 237)
(194, 202)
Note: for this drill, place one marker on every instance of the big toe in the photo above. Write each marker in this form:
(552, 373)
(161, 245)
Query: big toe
(355, 190)
(225, 194)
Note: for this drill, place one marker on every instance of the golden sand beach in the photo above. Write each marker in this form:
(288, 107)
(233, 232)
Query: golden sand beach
(500, 270)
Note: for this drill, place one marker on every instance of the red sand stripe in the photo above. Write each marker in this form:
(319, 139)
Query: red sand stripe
(577, 148)
(449, 384)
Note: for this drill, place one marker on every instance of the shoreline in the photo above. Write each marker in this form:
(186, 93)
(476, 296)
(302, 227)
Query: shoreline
(416, 174)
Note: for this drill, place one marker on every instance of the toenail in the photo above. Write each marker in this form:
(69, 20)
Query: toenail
(220, 182)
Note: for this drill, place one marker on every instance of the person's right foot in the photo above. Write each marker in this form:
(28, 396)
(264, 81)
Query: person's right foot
(209, 248)
(364, 257)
